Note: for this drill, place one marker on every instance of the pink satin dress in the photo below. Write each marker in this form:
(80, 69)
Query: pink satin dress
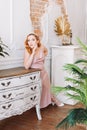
(38, 62)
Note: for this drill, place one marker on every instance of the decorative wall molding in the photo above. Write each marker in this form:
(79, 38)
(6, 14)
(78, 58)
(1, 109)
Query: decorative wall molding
(14, 26)
(11, 63)
(11, 22)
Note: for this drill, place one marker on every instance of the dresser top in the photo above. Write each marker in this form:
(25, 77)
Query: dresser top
(16, 71)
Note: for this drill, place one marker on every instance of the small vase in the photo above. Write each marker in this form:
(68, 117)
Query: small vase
(66, 40)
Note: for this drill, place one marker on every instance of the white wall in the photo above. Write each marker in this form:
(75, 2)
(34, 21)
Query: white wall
(15, 24)
(76, 10)
(52, 12)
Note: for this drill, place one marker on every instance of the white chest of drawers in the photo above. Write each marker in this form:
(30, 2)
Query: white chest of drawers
(20, 90)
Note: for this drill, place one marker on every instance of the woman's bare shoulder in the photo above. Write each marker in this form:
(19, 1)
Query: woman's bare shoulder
(43, 46)
(44, 49)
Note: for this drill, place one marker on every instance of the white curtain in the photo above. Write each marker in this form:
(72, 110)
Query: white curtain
(76, 9)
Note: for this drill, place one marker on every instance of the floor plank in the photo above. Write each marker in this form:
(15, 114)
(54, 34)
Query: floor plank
(28, 120)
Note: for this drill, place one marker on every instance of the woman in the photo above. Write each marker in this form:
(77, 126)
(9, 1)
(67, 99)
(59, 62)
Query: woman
(35, 54)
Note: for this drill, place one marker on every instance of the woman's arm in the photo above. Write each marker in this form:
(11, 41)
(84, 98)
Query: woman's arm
(28, 58)
(45, 50)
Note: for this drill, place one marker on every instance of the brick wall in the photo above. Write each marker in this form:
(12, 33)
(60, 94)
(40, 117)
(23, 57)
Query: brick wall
(37, 9)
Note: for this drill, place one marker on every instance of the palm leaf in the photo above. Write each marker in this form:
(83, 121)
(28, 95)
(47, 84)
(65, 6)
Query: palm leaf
(57, 89)
(77, 90)
(82, 45)
(74, 69)
(78, 115)
(5, 53)
(3, 44)
(2, 48)
(77, 93)
(81, 61)
(74, 81)
(1, 54)
(76, 97)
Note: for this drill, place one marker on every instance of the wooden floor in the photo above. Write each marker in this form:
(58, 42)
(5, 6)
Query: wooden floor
(28, 120)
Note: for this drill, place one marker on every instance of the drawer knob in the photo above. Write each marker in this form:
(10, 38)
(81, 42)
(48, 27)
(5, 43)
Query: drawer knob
(7, 96)
(33, 88)
(33, 98)
(33, 78)
(6, 107)
(3, 84)
(6, 84)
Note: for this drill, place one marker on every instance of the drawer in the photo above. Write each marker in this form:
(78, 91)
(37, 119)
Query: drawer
(32, 99)
(18, 92)
(19, 80)
(8, 106)
(17, 107)
(11, 108)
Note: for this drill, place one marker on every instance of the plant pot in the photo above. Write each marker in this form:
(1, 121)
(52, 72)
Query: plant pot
(66, 40)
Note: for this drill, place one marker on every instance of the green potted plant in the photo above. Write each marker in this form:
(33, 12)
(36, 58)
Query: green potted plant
(3, 48)
(77, 83)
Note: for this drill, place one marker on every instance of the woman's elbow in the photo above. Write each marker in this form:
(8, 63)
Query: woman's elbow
(26, 67)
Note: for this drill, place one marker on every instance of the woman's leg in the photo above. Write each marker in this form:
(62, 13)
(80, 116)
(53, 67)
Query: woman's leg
(55, 100)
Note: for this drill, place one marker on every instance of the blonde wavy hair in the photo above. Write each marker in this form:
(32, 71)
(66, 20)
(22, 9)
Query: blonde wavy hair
(26, 42)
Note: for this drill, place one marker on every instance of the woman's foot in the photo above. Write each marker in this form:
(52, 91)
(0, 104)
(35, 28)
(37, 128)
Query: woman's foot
(58, 104)
(56, 101)
(61, 104)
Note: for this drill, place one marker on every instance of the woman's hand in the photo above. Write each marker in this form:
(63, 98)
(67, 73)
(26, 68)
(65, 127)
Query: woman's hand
(34, 49)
